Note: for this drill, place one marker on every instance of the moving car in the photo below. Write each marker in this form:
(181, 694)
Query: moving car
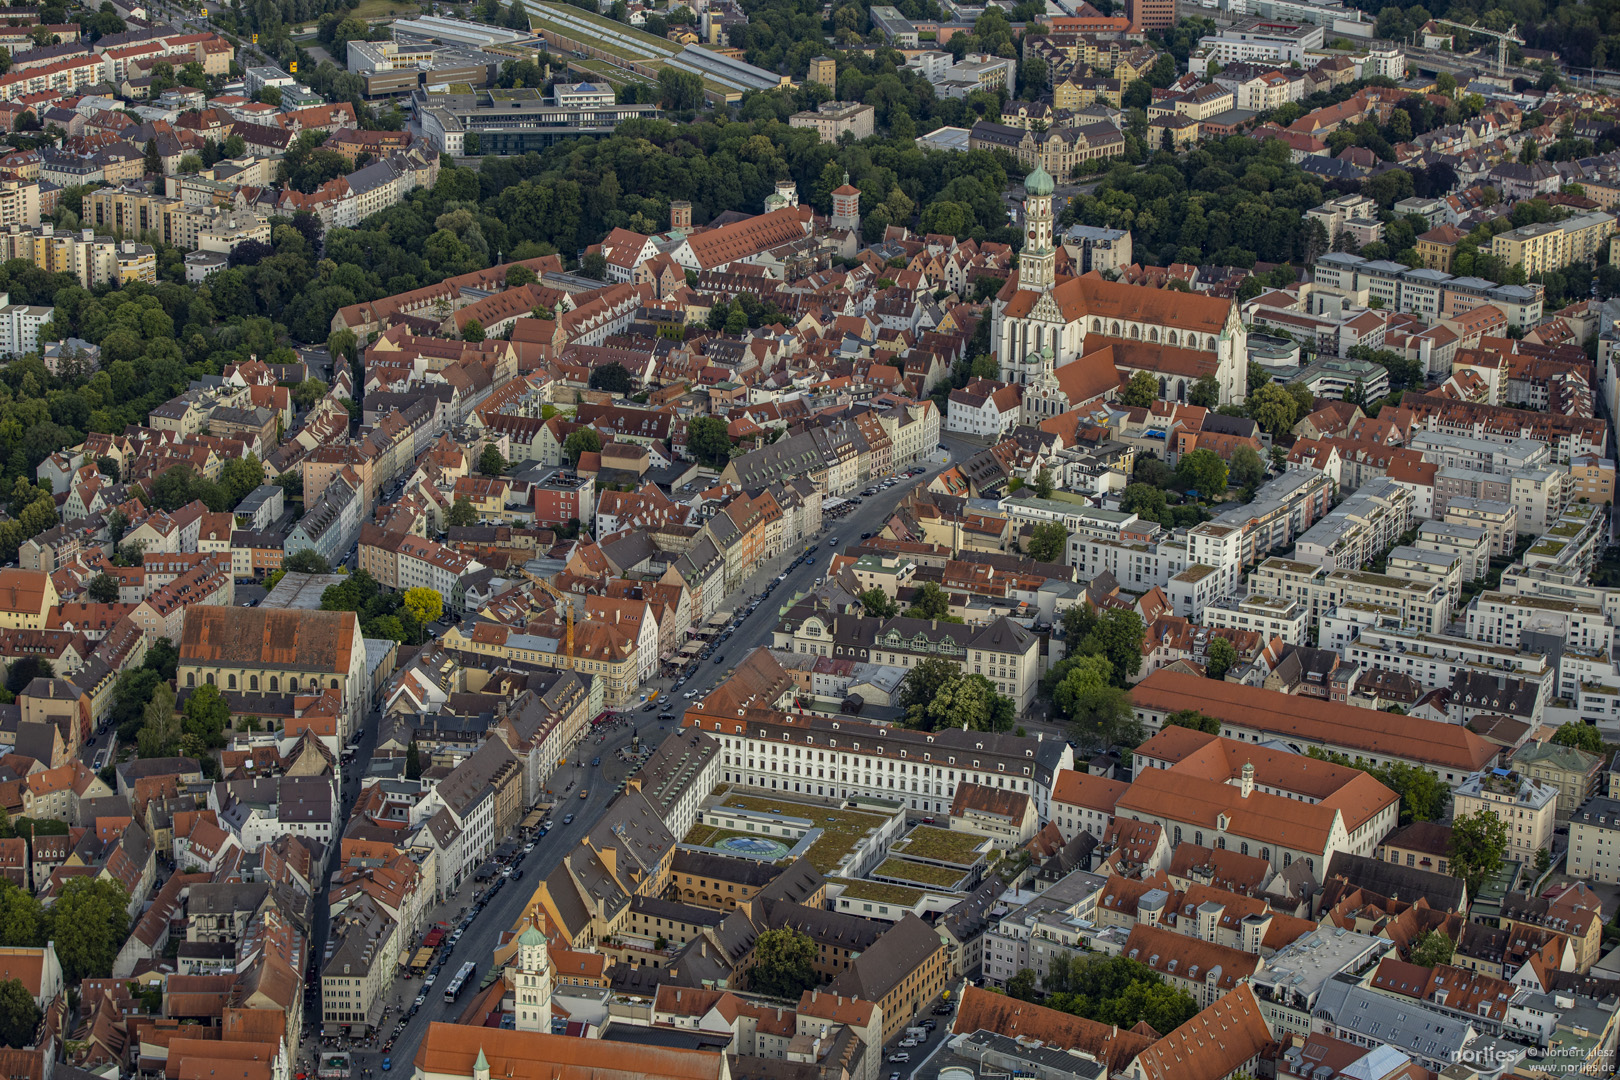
(568, 820)
(901, 1057)
(596, 761)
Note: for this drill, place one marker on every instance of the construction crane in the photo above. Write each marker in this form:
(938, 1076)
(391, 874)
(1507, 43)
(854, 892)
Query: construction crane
(1503, 40)
(567, 605)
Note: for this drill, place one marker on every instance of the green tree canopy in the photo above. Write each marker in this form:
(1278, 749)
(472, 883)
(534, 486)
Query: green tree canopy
(582, 441)
(1048, 542)
(490, 461)
(462, 513)
(22, 920)
(708, 441)
(1192, 718)
(929, 601)
(1220, 658)
(1431, 949)
(1202, 471)
(784, 963)
(1115, 990)
(1141, 391)
(1580, 735)
(19, 1016)
(103, 588)
(207, 714)
(1478, 845)
(614, 378)
(306, 561)
(878, 603)
(1247, 470)
(89, 923)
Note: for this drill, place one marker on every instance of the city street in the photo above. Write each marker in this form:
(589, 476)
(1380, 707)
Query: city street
(502, 912)
(755, 630)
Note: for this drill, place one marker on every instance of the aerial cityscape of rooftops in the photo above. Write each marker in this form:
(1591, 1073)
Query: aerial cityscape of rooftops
(1049, 539)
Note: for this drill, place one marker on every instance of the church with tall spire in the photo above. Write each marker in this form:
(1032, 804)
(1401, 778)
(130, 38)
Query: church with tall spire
(1072, 339)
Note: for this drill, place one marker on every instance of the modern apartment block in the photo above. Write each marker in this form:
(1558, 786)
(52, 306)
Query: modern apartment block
(1424, 292)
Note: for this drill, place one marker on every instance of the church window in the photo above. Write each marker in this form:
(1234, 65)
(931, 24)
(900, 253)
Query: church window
(1115, 331)
(1153, 335)
(1096, 324)
(1172, 337)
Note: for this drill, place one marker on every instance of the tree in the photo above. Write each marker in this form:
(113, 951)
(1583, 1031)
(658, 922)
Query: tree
(159, 724)
(426, 605)
(1247, 470)
(22, 919)
(1116, 636)
(1115, 990)
(1099, 712)
(25, 670)
(929, 602)
(490, 462)
(708, 440)
(580, 442)
(462, 513)
(1431, 949)
(308, 392)
(1478, 843)
(1202, 471)
(1274, 409)
(1206, 392)
(1140, 392)
(784, 963)
(1043, 483)
(413, 761)
(877, 603)
(306, 561)
(1423, 798)
(1022, 985)
(19, 1016)
(925, 682)
(1192, 718)
(1144, 500)
(473, 331)
(1220, 658)
(207, 714)
(1580, 735)
(614, 378)
(103, 589)
(153, 163)
(89, 923)
(1048, 541)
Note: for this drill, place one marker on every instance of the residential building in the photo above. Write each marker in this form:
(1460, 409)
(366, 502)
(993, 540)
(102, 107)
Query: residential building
(1527, 808)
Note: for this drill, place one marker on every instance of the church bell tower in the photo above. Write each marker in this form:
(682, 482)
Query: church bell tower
(1037, 262)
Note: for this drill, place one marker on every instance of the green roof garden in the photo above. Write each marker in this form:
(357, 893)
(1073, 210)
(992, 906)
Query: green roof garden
(922, 873)
(842, 831)
(940, 845)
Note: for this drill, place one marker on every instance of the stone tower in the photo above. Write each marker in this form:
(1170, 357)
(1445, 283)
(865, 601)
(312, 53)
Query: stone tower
(846, 202)
(533, 979)
(680, 214)
(1037, 262)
